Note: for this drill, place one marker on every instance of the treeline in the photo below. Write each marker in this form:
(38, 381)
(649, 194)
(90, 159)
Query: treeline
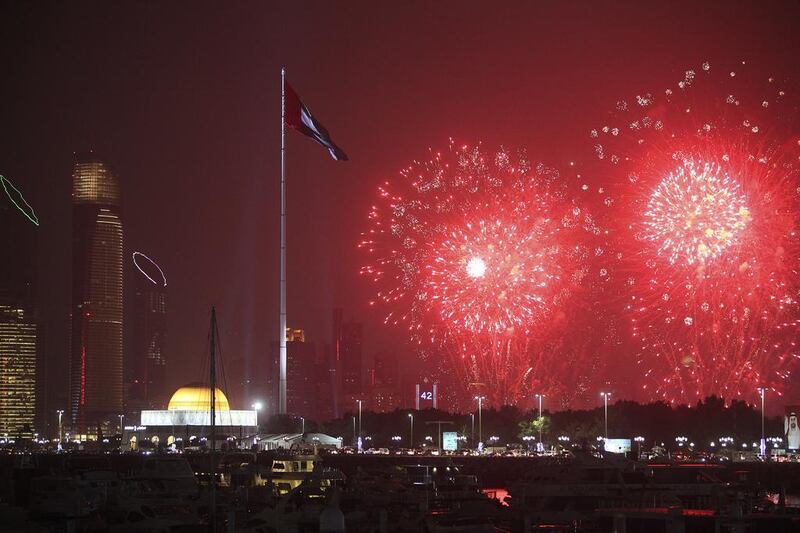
(656, 422)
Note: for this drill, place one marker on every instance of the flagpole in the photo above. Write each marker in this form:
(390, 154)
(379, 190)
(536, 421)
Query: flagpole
(282, 318)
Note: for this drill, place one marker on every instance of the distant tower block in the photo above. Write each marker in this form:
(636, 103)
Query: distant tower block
(96, 341)
(17, 372)
(148, 362)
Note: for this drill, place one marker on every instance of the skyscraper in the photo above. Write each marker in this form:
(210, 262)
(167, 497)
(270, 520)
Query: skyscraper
(17, 371)
(148, 363)
(352, 358)
(96, 340)
(301, 375)
(384, 393)
(19, 334)
(347, 366)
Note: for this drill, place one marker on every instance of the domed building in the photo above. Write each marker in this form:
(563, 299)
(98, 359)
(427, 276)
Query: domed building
(197, 397)
(187, 419)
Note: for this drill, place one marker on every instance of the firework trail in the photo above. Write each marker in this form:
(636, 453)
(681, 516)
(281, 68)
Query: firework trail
(480, 256)
(705, 198)
(18, 201)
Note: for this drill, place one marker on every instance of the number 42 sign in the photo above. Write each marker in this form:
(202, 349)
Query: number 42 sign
(426, 396)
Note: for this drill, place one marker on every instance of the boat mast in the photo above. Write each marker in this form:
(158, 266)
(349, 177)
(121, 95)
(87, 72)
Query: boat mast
(213, 389)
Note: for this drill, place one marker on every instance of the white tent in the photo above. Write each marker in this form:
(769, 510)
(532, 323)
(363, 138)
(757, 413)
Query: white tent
(288, 441)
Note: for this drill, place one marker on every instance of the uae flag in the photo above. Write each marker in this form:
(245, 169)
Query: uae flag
(299, 118)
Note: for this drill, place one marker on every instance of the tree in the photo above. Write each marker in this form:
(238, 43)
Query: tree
(533, 428)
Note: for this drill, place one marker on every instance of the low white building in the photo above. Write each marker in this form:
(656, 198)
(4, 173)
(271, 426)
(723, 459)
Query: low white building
(187, 420)
(290, 441)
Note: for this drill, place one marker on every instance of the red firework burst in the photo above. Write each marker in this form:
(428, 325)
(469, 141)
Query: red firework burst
(476, 254)
(709, 244)
(695, 213)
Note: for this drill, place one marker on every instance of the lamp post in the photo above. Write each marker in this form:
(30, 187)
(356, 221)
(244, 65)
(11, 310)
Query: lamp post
(302, 425)
(120, 423)
(472, 432)
(605, 396)
(763, 448)
(355, 437)
(540, 396)
(256, 406)
(411, 438)
(59, 412)
(480, 418)
(639, 440)
(359, 420)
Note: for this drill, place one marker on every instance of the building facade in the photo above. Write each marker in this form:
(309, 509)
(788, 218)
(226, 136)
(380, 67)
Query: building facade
(17, 372)
(147, 365)
(384, 387)
(351, 357)
(301, 379)
(96, 359)
(21, 368)
(187, 421)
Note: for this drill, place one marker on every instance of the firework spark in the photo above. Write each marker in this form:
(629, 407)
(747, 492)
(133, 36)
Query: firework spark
(706, 175)
(695, 213)
(475, 255)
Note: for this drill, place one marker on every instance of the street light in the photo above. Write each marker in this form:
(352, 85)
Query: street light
(605, 396)
(256, 406)
(639, 440)
(59, 412)
(540, 396)
(763, 448)
(120, 423)
(359, 420)
(411, 438)
(355, 437)
(480, 418)
(302, 425)
(472, 433)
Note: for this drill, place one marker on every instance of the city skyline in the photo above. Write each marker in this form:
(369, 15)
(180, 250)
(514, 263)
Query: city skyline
(197, 151)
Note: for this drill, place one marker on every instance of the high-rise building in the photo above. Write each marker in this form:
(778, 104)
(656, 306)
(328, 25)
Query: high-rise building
(301, 378)
(350, 350)
(334, 360)
(17, 371)
(147, 364)
(96, 397)
(384, 388)
(385, 369)
(301, 375)
(346, 365)
(20, 383)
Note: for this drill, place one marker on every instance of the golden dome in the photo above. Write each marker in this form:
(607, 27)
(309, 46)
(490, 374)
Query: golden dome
(196, 397)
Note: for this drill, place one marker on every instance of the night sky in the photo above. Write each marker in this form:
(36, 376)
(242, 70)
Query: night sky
(183, 100)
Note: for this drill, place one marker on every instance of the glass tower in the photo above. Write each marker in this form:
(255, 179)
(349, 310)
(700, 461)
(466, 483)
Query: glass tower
(96, 342)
